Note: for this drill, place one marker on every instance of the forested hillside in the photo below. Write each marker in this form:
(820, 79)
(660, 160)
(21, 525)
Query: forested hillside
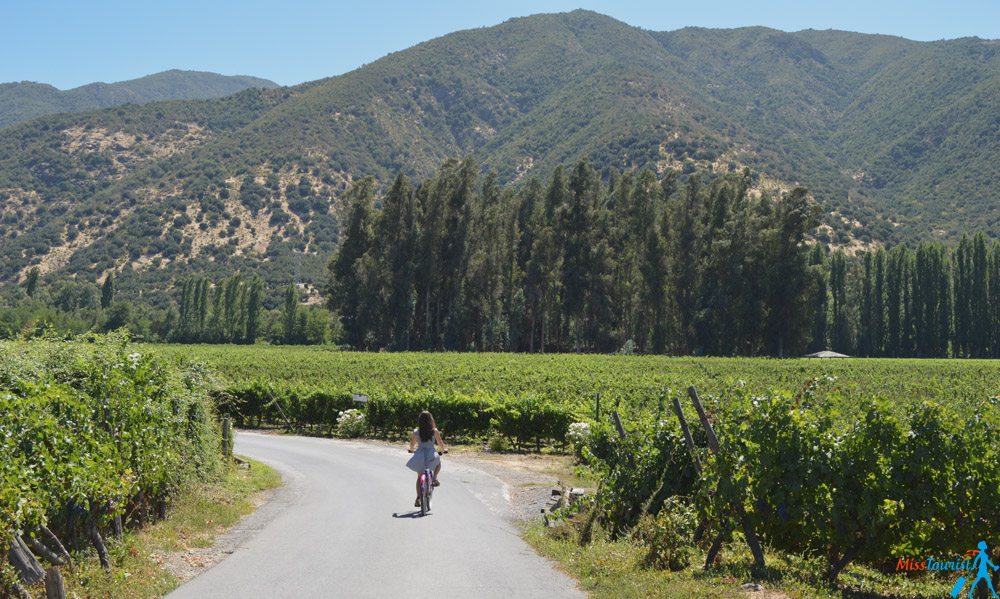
(894, 139)
(25, 100)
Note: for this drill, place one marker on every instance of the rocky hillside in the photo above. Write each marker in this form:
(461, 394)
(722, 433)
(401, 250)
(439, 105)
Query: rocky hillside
(896, 139)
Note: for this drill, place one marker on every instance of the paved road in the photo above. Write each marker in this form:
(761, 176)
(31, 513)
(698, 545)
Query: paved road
(343, 526)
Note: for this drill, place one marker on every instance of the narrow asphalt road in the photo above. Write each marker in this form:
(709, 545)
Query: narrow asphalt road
(343, 526)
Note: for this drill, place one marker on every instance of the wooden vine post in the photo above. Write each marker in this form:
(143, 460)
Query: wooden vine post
(713, 444)
(618, 424)
(54, 587)
(227, 437)
(27, 566)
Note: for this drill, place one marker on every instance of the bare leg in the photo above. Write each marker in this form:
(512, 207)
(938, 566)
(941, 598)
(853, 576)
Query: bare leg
(437, 471)
(418, 487)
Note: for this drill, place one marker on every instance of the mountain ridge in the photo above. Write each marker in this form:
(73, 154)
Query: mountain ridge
(892, 137)
(25, 100)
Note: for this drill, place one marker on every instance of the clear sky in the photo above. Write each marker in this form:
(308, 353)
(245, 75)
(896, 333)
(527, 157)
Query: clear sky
(72, 42)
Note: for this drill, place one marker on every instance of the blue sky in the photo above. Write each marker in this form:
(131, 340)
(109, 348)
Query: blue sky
(69, 43)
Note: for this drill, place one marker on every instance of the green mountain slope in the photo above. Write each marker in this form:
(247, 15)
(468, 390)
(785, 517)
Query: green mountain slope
(27, 100)
(896, 139)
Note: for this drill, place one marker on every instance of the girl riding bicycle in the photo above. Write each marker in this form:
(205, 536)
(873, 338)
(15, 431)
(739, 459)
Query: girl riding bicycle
(422, 441)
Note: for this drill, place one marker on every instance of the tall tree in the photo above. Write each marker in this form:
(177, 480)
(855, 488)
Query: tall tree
(254, 306)
(345, 288)
(290, 314)
(108, 291)
(31, 281)
(795, 215)
(979, 301)
(397, 234)
(840, 332)
(878, 317)
(821, 300)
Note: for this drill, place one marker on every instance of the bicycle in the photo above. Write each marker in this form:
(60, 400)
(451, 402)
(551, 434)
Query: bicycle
(426, 489)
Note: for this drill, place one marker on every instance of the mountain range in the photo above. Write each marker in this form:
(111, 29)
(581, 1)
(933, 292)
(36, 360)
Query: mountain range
(897, 140)
(26, 100)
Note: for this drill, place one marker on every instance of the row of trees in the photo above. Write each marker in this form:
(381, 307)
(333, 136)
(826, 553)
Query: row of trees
(931, 301)
(575, 264)
(233, 310)
(229, 312)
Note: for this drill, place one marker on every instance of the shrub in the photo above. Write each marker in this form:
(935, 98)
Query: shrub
(669, 535)
(498, 443)
(351, 423)
(578, 436)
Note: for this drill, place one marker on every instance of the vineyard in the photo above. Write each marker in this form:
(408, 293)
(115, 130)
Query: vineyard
(843, 461)
(634, 385)
(95, 437)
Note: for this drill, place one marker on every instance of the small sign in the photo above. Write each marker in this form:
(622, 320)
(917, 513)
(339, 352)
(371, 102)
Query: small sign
(360, 398)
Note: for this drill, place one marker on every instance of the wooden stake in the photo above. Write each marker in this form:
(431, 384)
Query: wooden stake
(54, 588)
(46, 553)
(688, 439)
(618, 424)
(227, 437)
(58, 545)
(29, 570)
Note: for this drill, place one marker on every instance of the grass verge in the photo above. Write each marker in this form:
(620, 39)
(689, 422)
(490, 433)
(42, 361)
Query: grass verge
(615, 570)
(197, 516)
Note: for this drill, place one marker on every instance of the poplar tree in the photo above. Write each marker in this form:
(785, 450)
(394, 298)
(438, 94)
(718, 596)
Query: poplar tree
(108, 291)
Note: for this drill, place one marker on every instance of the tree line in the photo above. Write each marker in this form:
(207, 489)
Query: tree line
(232, 311)
(229, 312)
(584, 261)
(928, 301)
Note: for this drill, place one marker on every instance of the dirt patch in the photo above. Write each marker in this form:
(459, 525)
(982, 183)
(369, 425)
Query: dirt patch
(128, 149)
(530, 478)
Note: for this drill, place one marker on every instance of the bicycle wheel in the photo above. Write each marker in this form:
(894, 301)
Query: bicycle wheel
(425, 503)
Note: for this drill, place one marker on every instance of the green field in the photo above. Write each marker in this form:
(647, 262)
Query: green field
(633, 383)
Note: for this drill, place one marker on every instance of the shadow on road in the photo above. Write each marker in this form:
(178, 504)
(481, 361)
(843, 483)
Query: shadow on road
(414, 514)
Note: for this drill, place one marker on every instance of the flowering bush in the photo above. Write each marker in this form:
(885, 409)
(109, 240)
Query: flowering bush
(578, 436)
(351, 423)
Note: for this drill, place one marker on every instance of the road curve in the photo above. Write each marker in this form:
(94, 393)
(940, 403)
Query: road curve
(343, 526)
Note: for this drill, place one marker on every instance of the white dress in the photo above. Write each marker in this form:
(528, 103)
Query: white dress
(424, 457)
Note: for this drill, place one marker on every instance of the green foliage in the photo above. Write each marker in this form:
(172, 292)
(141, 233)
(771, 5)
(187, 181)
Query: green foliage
(96, 430)
(817, 480)
(229, 314)
(931, 301)
(108, 291)
(519, 420)
(669, 535)
(639, 473)
(447, 267)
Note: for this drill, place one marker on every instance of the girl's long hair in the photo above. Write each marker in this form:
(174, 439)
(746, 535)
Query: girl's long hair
(425, 423)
